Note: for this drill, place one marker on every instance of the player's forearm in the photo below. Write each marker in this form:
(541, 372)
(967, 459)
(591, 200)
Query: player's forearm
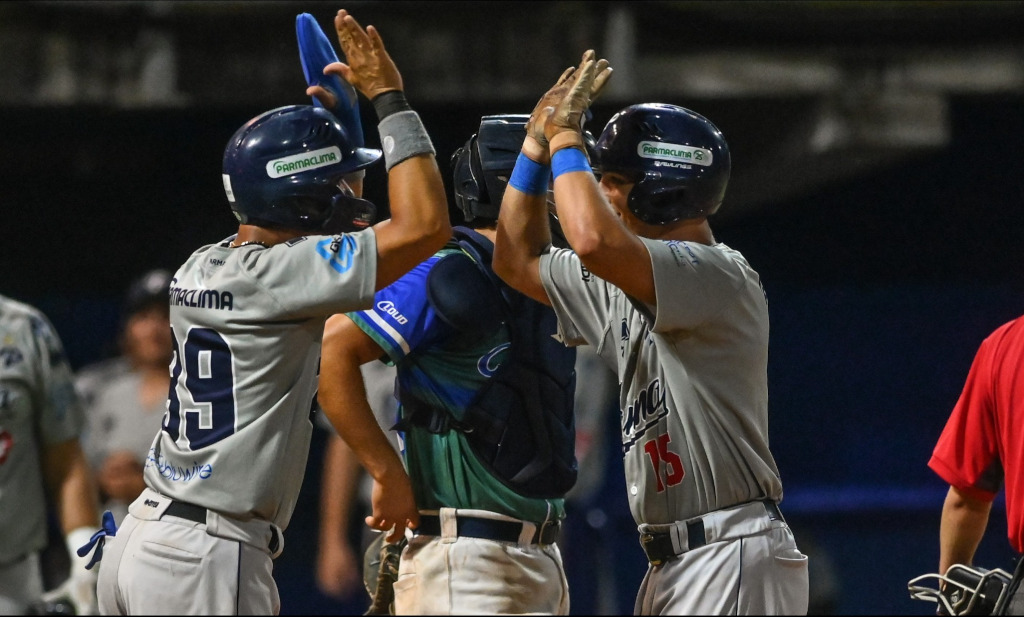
(72, 485)
(342, 395)
(363, 435)
(961, 529)
(603, 243)
(523, 231)
(417, 202)
(419, 223)
(589, 223)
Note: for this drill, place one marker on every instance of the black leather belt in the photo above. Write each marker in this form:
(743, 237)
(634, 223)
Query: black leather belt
(489, 529)
(658, 546)
(187, 511)
(197, 514)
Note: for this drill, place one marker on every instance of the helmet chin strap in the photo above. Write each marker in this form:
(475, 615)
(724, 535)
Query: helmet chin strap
(350, 214)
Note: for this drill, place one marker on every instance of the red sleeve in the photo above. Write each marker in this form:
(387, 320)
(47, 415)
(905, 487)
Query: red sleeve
(967, 453)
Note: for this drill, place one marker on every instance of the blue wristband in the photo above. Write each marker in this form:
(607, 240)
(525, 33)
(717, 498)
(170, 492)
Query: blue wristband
(569, 159)
(529, 176)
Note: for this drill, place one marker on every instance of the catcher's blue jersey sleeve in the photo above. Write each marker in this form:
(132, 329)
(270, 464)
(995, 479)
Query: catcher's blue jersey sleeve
(402, 318)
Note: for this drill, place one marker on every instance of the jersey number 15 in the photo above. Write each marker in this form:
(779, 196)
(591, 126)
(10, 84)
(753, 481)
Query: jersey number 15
(657, 449)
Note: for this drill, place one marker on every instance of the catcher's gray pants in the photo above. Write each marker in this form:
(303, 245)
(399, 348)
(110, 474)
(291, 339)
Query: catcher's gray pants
(163, 564)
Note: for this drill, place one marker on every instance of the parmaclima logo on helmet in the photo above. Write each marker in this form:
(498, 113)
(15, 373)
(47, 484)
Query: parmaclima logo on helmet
(674, 152)
(304, 161)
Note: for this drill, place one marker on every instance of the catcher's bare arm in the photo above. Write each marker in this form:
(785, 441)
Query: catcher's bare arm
(343, 399)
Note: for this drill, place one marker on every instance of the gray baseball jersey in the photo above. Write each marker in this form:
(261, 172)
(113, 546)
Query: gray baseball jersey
(116, 420)
(247, 325)
(38, 406)
(693, 375)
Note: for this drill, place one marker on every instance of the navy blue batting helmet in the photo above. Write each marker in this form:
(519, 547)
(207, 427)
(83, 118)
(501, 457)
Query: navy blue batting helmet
(283, 169)
(678, 160)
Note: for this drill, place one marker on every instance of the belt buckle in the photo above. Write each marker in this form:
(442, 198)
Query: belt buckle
(645, 540)
(543, 527)
(774, 513)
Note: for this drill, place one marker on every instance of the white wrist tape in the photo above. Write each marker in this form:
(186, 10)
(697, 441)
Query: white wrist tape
(402, 136)
(74, 540)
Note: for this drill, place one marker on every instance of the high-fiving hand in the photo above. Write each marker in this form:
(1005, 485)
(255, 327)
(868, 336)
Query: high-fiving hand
(367, 64)
(551, 98)
(573, 94)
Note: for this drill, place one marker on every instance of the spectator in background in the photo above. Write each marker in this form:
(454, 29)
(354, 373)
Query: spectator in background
(126, 397)
(604, 564)
(40, 457)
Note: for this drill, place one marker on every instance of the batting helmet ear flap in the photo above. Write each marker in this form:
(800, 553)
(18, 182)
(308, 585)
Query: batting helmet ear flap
(349, 214)
(656, 201)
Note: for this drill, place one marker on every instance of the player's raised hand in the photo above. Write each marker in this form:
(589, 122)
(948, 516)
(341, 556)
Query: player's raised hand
(551, 98)
(367, 64)
(578, 92)
(394, 507)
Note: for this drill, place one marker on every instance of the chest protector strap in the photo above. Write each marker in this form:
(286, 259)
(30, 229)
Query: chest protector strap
(520, 424)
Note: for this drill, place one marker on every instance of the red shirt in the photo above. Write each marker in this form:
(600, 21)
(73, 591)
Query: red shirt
(983, 441)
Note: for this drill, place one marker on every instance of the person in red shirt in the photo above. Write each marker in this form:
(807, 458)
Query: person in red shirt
(981, 450)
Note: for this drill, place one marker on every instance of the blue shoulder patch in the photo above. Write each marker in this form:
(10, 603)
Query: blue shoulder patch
(338, 251)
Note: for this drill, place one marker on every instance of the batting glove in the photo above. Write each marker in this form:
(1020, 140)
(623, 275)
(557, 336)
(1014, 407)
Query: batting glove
(579, 90)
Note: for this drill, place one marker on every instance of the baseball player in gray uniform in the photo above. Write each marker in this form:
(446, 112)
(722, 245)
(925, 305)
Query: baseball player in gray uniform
(40, 421)
(247, 316)
(683, 321)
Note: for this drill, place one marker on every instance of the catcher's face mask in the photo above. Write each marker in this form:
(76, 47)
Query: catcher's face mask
(964, 590)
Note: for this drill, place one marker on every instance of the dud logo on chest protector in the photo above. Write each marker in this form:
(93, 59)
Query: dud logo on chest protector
(521, 423)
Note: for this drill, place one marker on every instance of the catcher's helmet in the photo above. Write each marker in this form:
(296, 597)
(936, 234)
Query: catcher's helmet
(677, 159)
(283, 169)
(482, 167)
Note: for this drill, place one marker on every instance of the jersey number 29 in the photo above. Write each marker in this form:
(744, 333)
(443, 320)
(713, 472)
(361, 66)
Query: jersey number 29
(203, 367)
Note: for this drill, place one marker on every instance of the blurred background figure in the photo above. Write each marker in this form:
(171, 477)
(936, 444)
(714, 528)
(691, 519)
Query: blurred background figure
(41, 463)
(345, 492)
(126, 396)
(603, 561)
